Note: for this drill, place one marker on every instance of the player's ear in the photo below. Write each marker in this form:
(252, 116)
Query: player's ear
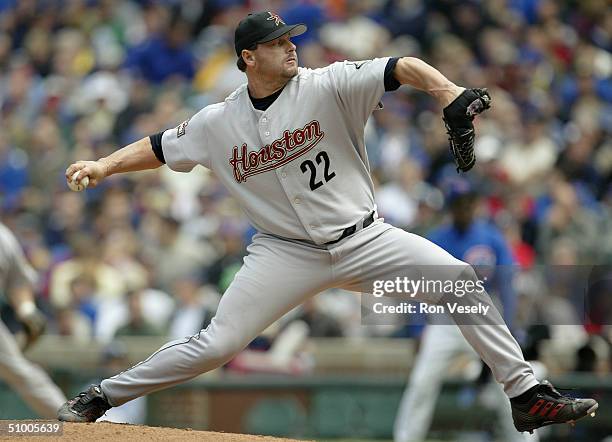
(248, 57)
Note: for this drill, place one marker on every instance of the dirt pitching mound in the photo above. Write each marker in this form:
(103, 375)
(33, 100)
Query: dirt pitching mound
(106, 431)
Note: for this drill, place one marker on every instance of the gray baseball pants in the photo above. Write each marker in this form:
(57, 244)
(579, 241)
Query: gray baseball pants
(27, 379)
(278, 275)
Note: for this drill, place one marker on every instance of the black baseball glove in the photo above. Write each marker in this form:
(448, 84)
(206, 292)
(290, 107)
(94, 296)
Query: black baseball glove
(458, 117)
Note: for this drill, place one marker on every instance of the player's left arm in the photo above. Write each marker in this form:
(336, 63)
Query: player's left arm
(460, 105)
(418, 74)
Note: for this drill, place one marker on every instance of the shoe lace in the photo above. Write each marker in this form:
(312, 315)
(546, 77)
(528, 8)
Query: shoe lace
(82, 403)
(556, 394)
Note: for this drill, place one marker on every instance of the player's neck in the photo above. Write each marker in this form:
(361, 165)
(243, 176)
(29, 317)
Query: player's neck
(263, 87)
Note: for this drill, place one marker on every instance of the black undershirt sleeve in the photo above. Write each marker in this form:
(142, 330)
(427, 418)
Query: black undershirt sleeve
(391, 82)
(156, 142)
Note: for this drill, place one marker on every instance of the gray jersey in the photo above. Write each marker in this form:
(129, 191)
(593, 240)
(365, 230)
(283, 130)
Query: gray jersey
(297, 173)
(14, 269)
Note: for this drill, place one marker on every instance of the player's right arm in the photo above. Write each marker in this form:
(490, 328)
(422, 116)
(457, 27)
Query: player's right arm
(180, 148)
(133, 157)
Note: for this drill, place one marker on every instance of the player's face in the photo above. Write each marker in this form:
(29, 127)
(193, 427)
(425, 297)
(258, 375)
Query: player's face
(276, 58)
(463, 211)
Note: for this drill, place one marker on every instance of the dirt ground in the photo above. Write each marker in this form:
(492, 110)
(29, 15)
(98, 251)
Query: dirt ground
(105, 431)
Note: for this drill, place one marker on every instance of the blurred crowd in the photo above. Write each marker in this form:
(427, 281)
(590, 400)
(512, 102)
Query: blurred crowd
(151, 253)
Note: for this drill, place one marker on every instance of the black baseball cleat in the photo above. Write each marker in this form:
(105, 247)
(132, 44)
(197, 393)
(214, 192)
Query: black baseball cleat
(547, 406)
(88, 406)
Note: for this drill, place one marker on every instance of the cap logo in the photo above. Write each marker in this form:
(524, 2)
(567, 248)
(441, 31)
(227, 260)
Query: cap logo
(276, 18)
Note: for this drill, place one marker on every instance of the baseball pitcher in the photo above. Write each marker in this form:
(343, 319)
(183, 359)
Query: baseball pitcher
(289, 146)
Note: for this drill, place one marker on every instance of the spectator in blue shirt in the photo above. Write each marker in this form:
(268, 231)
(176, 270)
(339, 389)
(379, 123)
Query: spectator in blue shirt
(165, 55)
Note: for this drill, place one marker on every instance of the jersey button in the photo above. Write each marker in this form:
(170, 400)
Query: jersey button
(284, 174)
(267, 133)
(297, 200)
(264, 119)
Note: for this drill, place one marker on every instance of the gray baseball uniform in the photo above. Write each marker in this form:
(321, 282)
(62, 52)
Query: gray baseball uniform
(29, 380)
(300, 171)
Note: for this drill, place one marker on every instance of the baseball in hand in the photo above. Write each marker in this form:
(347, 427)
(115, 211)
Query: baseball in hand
(78, 186)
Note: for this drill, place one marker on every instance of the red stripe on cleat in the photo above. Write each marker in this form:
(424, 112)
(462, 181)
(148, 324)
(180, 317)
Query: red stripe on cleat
(556, 410)
(536, 407)
(546, 408)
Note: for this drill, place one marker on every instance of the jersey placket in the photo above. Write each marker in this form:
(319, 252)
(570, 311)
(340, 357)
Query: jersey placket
(288, 180)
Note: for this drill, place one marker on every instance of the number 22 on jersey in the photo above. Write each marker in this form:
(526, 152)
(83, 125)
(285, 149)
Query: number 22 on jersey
(309, 166)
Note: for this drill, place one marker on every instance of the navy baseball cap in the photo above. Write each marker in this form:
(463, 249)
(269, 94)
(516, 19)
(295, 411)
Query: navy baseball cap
(262, 27)
(458, 189)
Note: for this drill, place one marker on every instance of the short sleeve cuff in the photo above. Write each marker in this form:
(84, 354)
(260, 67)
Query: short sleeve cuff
(391, 83)
(156, 143)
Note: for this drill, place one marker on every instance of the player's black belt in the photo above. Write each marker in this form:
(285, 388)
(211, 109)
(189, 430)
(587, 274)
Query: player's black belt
(369, 219)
